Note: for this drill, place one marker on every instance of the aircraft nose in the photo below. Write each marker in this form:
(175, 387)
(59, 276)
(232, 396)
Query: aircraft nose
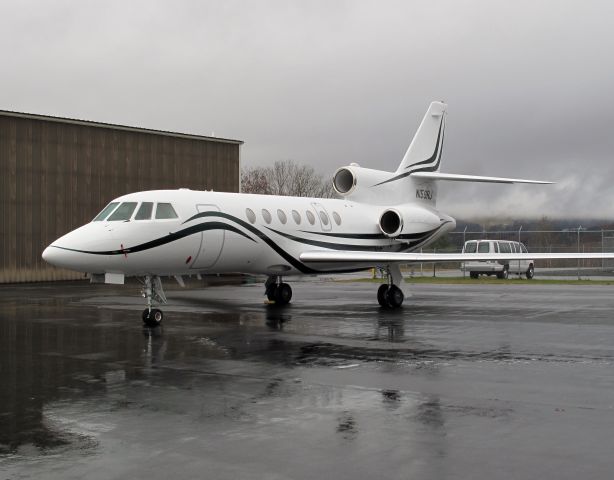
(50, 255)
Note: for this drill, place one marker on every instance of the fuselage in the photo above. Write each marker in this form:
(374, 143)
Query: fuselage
(215, 232)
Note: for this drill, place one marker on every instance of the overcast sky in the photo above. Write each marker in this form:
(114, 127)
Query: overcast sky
(529, 84)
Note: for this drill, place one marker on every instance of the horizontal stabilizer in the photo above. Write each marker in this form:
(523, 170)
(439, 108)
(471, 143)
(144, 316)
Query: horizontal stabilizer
(453, 177)
(379, 258)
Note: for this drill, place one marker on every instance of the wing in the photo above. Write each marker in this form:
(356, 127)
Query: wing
(379, 258)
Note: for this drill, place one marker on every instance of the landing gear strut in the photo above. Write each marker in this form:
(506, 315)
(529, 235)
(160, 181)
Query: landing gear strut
(152, 291)
(389, 295)
(277, 291)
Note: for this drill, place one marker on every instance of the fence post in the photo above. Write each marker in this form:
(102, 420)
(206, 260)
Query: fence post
(464, 240)
(602, 250)
(434, 263)
(578, 250)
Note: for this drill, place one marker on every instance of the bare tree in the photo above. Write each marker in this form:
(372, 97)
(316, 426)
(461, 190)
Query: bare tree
(285, 178)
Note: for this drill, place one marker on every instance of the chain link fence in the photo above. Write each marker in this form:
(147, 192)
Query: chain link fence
(541, 241)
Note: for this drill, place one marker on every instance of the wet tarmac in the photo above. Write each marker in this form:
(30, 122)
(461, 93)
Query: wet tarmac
(484, 381)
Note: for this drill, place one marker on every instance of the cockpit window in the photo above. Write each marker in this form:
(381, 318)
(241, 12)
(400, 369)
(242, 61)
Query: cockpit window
(144, 211)
(108, 209)
(165, 211)
(123, 212)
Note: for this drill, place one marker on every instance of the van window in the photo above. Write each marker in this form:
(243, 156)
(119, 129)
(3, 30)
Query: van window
(164, 211)
(144, 211)
(515, 247)
(123, 212)
(108, 209)
(484, 247)
(470, 247)
(504, 247)
(524, 249)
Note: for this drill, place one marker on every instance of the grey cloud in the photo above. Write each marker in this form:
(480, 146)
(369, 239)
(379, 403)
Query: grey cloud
(328, 83)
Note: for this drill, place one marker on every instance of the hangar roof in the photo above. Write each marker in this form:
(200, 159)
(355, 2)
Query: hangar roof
(88, 123)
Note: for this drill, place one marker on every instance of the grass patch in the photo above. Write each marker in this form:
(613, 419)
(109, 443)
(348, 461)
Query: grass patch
(486, 281)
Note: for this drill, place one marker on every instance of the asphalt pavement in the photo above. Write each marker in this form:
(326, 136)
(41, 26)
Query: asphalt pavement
(465, 381)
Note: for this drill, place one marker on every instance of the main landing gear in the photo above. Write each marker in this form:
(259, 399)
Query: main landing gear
(152, 291)
(389, 295)
(277, 291)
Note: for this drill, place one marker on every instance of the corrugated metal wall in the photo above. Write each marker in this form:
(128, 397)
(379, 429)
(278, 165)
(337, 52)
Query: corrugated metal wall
(56, 176)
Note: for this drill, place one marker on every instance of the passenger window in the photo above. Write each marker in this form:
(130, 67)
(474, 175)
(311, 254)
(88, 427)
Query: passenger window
(296, 216)
(123, 212)
(324, 218)
(144, 211)
(505, 247)
(311, 217)
(484, 247)
(266, 215)
(470, 247)
(282, 216)
(108, 209)
(251, 216)
(164, 211)
(337, 218)
(515, 247)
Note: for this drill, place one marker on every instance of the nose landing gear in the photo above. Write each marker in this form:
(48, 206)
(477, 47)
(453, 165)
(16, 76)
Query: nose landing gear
(389, 295)
(152, 291)
(277, 291)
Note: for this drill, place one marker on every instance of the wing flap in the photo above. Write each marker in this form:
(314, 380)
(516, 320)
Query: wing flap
(376, 258)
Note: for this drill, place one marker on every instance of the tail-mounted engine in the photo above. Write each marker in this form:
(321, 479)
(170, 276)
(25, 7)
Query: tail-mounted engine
(391, 223)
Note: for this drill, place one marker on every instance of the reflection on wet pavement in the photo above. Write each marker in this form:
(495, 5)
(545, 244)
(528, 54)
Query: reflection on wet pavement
(453, 385)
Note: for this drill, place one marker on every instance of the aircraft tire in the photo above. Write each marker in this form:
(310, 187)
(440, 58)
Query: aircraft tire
(271, 293)
(394, 297)
(381, 294)
(283, 294)
(153, 318)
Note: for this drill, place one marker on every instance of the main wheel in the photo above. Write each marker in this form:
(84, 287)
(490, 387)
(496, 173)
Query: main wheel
(394, 297)
(530, 272)
(283, 294)
(381, 294)
(152, 318)
(271, 292)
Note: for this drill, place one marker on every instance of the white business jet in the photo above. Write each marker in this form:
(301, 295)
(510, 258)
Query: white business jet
(383, 219)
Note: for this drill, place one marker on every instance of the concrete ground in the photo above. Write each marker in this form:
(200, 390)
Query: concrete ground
(484, 381)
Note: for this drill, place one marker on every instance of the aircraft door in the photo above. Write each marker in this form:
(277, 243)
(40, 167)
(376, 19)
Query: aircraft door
(211, 241)
(323, 216)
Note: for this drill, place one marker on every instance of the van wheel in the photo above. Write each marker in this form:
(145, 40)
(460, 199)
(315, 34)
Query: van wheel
(503, 274)
(473, 275)
(530, 272)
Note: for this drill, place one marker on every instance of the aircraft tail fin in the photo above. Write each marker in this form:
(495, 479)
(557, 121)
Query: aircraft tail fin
(424, 152)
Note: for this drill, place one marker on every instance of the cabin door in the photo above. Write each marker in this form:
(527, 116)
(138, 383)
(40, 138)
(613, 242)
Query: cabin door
(211, 241)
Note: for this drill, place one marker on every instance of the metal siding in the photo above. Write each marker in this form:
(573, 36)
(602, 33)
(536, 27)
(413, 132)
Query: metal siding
(56, 176)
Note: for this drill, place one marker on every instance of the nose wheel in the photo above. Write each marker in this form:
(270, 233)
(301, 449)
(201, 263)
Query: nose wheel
(152, 291)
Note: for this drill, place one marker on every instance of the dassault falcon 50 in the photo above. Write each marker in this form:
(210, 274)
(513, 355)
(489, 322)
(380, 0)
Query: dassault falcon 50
(382, 219)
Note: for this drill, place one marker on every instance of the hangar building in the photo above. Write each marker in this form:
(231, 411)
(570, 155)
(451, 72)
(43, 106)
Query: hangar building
(57, 174)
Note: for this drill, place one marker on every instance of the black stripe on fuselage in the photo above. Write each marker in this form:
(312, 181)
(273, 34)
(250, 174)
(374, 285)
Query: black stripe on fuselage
(371, 236)
(171, 237)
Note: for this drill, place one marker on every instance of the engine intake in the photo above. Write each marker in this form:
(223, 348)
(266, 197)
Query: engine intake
(344, 181)
(391, 223)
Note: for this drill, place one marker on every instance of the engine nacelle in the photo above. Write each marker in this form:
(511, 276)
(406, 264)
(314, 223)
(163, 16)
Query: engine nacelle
(361, 184)
(391, 223)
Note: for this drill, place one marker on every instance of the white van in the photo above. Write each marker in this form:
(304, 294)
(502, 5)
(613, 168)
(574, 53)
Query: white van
(501, 268)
